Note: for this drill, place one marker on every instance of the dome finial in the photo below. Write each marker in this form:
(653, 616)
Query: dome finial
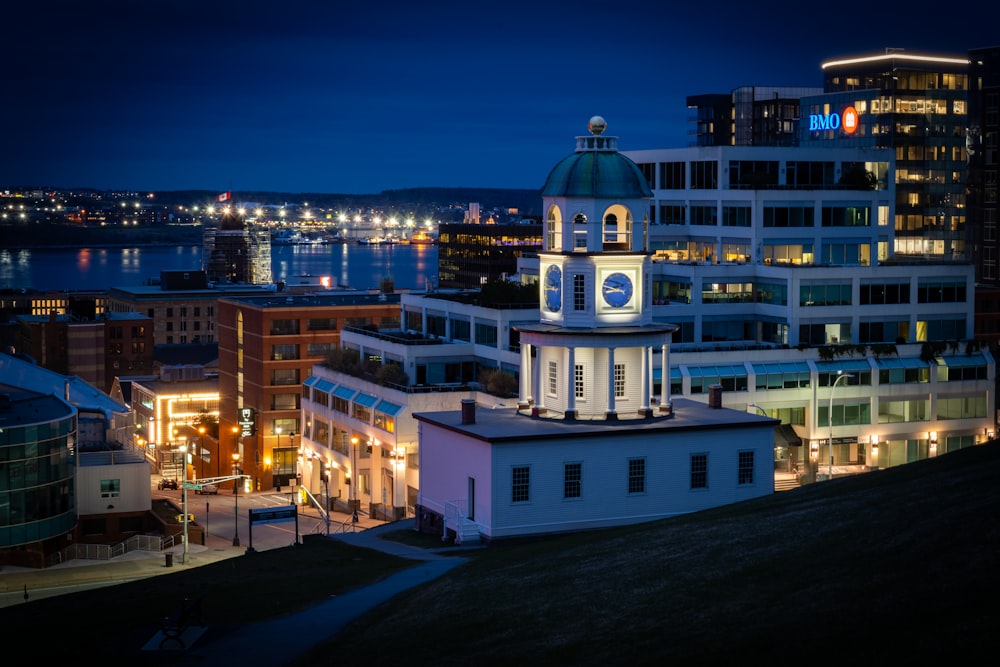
(597, 126)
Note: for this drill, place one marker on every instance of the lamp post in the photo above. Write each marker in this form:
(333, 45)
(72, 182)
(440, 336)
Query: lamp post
(829, 415)
(354, 474)
(236, 500)
(201, 448)
(184, 502)
(274, 470)
(236, 448)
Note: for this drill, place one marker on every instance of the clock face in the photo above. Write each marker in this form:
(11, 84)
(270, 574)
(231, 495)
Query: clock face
(553, 288)
(617, 290)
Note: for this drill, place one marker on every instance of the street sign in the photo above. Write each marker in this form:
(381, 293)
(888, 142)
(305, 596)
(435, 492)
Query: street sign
(273, 514)
(190, 485)
(248, 422)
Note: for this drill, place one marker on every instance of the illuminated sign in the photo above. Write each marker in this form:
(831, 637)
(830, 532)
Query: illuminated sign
(248, 422)
(846, 119)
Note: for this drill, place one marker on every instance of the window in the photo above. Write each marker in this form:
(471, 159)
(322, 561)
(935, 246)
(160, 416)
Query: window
(284, 352)
(578, 387)
(637, 475)
(285, 402)
(486, 334)
(319, 349)
(284, 376)
(699, 471)
(572, 480)
(110, 488)
(553, 378)
(519, 486)
(284, 327)
(619, 380)
(322, 324)
(579, 292)
(744, 474)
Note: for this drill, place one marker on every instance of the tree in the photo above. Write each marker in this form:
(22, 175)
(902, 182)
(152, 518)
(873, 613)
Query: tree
(497, 382)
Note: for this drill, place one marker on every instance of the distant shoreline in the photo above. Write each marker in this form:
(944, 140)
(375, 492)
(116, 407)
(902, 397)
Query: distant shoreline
(76, 246)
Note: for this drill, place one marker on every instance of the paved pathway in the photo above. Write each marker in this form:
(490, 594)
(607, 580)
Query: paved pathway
(294, 635)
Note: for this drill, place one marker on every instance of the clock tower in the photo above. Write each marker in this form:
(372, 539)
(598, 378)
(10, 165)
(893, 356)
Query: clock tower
(591, 355)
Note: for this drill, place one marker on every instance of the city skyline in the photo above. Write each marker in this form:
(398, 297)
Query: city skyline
(345, 98)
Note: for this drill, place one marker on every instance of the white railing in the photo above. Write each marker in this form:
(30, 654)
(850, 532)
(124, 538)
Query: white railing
(454, 512)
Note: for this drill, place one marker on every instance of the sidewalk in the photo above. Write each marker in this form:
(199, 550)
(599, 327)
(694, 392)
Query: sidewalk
(82, 574)
(303, 631)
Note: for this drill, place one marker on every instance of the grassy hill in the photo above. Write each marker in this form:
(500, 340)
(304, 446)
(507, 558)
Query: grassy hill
(899, 565)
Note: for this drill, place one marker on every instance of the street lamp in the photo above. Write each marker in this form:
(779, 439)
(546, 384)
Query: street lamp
(236, 500)
(201, 448)
(354, 473)
(829, 415)
(184, 502)
(236, 448)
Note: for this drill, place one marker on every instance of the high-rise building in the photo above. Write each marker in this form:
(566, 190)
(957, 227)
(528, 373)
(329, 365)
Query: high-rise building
(983, 147)
(238, 252)
(749, 116)
(917, 105)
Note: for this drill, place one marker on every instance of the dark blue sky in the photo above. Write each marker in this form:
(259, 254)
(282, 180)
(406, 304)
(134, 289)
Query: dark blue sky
(359, 97)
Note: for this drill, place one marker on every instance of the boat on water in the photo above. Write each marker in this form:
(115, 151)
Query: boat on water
(422, 238)
(372, 240)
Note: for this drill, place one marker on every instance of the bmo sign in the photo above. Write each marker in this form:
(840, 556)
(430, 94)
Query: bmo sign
(846, 120)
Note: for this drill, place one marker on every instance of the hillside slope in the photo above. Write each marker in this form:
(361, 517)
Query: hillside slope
(900, 564)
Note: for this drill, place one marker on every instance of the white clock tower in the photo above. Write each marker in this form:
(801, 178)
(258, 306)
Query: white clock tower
(591, 355)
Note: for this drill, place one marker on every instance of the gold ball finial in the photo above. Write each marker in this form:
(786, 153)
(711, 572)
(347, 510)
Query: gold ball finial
(597, 126)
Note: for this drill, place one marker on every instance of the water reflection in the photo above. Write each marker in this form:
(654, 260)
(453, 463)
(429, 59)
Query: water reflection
(360, 266)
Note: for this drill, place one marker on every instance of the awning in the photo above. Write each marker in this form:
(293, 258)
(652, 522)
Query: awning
(345, 392)
(907, 362)
(311, 380)
(388, 408)
(962, 362)
(846, 365)
(325, 385)
(366, 400)
(784, 436)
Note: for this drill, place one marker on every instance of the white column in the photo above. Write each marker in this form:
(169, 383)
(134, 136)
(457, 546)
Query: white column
(525, 380)
(611, 414)
(646, 379)
(664, 377)
(571, 381)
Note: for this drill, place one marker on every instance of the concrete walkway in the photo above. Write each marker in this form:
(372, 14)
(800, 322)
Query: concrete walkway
(290, 637)
(294, 635)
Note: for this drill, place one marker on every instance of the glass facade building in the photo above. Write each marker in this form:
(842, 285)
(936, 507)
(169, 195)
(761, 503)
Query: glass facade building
(37, 472)
(918, 106)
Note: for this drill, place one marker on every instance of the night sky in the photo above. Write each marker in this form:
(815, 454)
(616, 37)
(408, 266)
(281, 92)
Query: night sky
(360, 97)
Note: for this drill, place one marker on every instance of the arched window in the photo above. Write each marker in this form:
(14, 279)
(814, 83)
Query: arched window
(553, 237)
(580, 232)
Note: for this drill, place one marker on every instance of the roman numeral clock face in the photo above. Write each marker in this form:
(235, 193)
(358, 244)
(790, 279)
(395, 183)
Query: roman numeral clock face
(617, 290)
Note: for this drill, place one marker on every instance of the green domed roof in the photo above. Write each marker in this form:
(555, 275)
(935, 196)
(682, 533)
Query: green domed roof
(596, 170)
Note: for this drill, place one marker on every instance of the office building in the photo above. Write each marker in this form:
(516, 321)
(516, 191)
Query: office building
(267, 348)
(748, 116)
(470, 255)
(917, 105)
(237, 252)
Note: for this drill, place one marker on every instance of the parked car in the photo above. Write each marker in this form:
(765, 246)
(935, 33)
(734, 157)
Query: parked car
(208, 489)
(167, 483)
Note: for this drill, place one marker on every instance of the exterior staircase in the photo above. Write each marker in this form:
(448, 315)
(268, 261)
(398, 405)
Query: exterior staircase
(467, 532)
(785, 481)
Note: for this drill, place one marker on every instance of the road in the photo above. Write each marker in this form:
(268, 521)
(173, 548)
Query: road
(226, 517)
